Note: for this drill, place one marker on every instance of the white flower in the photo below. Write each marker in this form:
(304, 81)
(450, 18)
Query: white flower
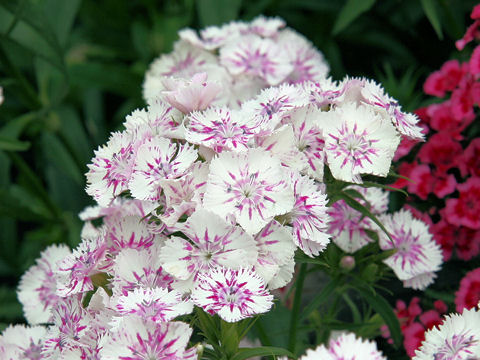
(251, 185)
(456, 338)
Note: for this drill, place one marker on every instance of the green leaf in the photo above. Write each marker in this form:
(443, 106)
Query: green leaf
(11, 309)
(319, 298)
(13, 145)
(217, 12)
(354, 204)
(61, 15)
(247, 353)
(430, 9)
(13, 205)
(383, 308)
(350, 11)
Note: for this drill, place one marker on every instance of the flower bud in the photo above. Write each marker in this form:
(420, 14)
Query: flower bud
(347, 262)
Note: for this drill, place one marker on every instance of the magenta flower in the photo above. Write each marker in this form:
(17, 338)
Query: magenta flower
(232, 294)
(464, 210)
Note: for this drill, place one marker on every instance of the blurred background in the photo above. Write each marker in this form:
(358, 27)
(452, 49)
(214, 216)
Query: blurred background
(72, 70)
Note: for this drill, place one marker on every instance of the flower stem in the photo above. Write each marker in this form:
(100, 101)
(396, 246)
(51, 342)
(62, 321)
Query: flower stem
(292, 339)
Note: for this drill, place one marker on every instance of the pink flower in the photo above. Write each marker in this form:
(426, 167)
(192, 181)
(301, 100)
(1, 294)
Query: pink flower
(442, 119)
(475, 62)
(187, 96)
(442, 151)
(232, 294)
(471, 34)
(446, 79)
(468, 295)
(464, 210)
(470, 162)
(413, 334)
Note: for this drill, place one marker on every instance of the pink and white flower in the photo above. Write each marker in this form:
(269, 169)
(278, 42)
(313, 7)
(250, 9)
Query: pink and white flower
(130, 232)
(153, 304)
(22, 342)
(358, 141)
(232, 294)
(157, 159)
(251, 185)
(188, 96)
(254, 56)
(457, 338)
(212, 242)
(37, 289)
(137, 339)
(418, 255)
(346, 347)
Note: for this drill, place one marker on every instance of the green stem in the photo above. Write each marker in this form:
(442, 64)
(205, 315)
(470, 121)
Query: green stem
(292, 339)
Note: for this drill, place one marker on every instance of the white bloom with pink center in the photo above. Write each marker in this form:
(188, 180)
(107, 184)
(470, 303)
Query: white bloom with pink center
(346, 347)
(417, 252)
(309, 139)
(213, 37)
(232, 294)
(190, 95)
(75, 270)
(251, 185)
(70, 332)
(140, 268)
(376, 199)
(309, 217)
(267, 26)
(184, 62)
(283, 276)
(112, 167)
(275, 249)
(154, 304)
(347, 227)
(308, 63)
(358, 141)
(159, 158)
(22, 342)
(158, 119)
(220, 129)
(456, 338)
(273, 105)
(138, 339)
(212, 242)
(185, 194)
(37, 289)
(252, 55)
(130, 232)
(322, 93)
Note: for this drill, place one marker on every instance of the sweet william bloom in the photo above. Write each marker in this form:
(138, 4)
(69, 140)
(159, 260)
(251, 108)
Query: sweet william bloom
(252, 55)
(159, 158)
(457, 338)
(155, 304)
(358, 141)
(251, 185)
(417, 256)
(187, 96)
(346, 347)
(470, 160)
(309, 217)
(442, 151)
(138, 339)
(220, 129)
(232, 294)
(468, 295)
(464, 210)
(20, 342)
(112, 167)
(37, 289)
(212, 242)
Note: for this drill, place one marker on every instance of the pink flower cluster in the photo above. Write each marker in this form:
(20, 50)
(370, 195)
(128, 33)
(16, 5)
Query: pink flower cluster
(207, 193)
(447, 165)
(414, 322)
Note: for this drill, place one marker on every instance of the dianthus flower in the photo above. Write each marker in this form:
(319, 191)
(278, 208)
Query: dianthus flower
(232, 294)
(468, 295)
(22, 342)
(464, 210)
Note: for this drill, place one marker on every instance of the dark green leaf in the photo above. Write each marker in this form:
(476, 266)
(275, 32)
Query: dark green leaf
(247, 353)
(430, 8)
(13, 145)
(320, 298)
(350, 11)
(217, 12)
(383, 308)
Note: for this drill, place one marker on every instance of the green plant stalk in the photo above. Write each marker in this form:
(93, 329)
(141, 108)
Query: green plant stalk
(294, 319)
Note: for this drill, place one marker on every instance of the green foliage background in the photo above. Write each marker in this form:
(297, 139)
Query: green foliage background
(71, 70)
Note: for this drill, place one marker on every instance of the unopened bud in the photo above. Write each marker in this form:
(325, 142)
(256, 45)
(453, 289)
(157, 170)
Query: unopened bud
(347, 262)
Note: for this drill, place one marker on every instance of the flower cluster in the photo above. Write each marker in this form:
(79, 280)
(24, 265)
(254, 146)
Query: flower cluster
(447, 166)
(207, 193)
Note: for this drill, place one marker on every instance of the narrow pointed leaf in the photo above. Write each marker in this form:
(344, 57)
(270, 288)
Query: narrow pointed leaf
(247, 353)
(350, 11)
